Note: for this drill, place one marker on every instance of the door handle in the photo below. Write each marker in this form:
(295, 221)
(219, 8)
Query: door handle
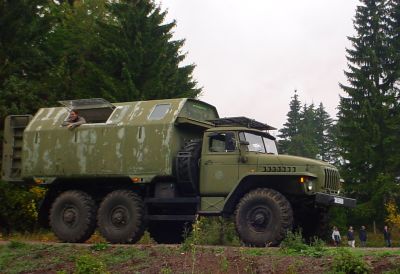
(208, 162)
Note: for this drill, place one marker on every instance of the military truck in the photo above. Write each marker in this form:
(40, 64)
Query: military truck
(158, 164)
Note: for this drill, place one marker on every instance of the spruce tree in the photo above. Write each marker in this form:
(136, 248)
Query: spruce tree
(324, 135)
(366, 122)
(291, 127)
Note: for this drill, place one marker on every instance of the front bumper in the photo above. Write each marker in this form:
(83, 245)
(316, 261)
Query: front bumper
(327, 199)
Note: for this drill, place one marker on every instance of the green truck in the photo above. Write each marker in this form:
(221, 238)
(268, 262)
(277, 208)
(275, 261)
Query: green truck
(159, 164)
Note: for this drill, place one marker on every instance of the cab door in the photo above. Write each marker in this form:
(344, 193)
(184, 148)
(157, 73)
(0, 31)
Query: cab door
(219, 163)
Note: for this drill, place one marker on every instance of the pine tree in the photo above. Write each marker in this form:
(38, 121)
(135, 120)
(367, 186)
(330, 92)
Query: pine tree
(139, 50)
(365, 114)
(393, 20)
(324, 135)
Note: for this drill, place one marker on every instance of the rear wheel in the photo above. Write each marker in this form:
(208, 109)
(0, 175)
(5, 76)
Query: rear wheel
(263, 217)
(73, 216)
(121, 217)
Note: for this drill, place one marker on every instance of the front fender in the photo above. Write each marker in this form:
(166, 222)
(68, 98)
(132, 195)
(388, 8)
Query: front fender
(284, 183)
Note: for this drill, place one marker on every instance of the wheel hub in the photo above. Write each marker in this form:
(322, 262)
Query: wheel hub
(119, 216)
(259, 218)
(69, 216)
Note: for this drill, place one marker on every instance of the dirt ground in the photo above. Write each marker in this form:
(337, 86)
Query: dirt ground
(198, 259)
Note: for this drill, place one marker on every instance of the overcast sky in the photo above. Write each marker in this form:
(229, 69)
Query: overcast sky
(251, 55)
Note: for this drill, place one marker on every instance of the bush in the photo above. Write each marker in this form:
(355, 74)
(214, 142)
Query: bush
(18, 206)
(213, 231)
(294, 244)
(349, 263)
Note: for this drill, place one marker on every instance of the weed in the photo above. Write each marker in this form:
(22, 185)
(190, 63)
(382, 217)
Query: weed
(294, 244)
(16, 245)
(347, 262)
(254, 251)
(146, 239)
(166, 270)
(87, 264)
(99, 246)
(395, 271)
(215, 231)
(224, 264)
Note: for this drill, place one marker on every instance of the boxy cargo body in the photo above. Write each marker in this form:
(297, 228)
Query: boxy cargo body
(158, 164)
(136, 139)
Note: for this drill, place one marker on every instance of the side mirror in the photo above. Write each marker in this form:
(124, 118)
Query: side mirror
(243, 149)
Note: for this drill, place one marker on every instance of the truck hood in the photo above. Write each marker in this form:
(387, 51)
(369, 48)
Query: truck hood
(291, 160)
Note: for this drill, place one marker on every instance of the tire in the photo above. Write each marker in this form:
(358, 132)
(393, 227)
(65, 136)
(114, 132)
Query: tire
(263, 217)
(187, 168)
(169, 232)
(121, 217)
(73, 216)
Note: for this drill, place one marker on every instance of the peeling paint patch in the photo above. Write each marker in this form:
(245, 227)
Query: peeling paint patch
(121, 133)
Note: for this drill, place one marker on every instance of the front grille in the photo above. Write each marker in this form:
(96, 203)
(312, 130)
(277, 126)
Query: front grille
(332, 179)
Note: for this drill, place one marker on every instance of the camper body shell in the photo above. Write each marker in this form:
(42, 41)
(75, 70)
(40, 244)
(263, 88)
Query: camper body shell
(135, 139)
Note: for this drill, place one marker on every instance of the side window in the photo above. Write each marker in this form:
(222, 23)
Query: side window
(159, 111)
(222, 142)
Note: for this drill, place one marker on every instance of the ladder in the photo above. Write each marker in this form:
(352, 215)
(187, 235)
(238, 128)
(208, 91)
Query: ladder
(14, 126)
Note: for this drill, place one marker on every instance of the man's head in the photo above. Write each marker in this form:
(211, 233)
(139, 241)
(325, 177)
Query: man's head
(73, 114)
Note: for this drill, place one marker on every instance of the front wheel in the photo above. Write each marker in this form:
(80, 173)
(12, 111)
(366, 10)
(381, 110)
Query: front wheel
(121, 217)
(262, 217)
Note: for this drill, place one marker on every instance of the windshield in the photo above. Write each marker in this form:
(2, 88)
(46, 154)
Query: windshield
(270, 146)
(258, 143)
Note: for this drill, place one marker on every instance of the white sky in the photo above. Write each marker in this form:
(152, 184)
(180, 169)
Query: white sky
(251, 55)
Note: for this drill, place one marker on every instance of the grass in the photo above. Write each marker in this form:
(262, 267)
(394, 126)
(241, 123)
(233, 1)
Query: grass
(17, 257)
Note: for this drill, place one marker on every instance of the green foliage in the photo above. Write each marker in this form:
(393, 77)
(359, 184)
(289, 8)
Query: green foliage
(224, 263)
(347, 262)
(294, 244)
(99, 246)
(369, 112)
(16, 245)
(212, 231)
(308, 132)
(118, 50)
(24, 198)
(87, 264)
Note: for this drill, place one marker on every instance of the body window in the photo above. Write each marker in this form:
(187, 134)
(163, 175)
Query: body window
(159, 111)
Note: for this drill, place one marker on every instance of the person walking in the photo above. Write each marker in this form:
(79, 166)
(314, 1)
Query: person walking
(336, 236)
(350, 237)
(387, 236)
(363, 236)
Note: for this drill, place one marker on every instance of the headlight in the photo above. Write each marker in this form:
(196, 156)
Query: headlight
(309, 185)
